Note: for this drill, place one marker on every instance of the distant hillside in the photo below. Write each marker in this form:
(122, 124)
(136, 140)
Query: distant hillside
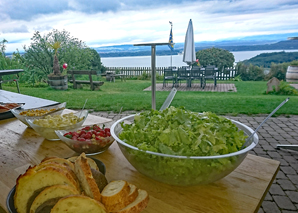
(130, 50)
(265, 59)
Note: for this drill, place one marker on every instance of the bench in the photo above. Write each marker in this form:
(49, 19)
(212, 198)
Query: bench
(111, 75)
(94, 85)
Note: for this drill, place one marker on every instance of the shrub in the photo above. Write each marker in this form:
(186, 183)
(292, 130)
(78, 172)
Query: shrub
(250, 72)
(215, 56)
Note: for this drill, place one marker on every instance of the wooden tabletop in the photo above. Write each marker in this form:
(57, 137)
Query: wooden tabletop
(241, 191)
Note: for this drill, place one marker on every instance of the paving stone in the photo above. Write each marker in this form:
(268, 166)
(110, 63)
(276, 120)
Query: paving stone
(293, 178)
(288, 170)
(286, 184)
(275, 189)
(281, 175)
(270, 207)
(284, 202)
(293, 195)
(260, 210)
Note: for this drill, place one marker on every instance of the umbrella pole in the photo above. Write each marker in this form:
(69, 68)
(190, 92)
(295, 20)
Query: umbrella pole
(153, 76)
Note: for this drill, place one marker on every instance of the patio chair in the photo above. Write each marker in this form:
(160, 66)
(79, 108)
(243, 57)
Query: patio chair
(183, 75)
(209, 73)
(168, 75)
(196, 74)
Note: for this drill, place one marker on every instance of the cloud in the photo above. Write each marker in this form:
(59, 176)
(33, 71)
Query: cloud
(29, 9)
(17, 29)
(101, 22)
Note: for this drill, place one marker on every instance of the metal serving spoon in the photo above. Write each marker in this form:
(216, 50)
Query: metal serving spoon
(247, 140)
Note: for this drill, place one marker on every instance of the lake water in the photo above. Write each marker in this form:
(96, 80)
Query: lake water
(165, 61)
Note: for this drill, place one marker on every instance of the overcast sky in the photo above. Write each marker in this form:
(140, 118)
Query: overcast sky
(100, 22)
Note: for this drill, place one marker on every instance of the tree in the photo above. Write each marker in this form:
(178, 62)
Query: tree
(215, 56)
(39, 56)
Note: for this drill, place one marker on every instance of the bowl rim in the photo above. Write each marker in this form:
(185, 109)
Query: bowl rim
(242, 151)
(19, 110)
(30, 120)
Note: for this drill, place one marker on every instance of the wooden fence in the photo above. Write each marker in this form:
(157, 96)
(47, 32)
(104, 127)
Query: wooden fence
(130, 72)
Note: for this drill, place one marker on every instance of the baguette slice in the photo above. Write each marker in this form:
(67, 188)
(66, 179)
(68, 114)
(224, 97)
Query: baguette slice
(58, 160)
(47, 198)
(91, 162)
(133, 194)
(78, 204)
(115, 192)
(84, 174)
(138, 205)
(57, 165)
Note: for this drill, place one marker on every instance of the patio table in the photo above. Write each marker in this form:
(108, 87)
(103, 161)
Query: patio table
(10, 72)
(241, 191)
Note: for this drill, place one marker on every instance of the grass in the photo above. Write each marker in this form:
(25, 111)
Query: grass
(250, 98)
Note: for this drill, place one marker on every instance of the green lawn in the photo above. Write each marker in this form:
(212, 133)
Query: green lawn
(249, 98)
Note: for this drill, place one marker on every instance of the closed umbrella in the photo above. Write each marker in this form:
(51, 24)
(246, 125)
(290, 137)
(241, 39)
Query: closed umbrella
(189, 55)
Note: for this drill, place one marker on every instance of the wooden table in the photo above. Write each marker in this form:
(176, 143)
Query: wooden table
(241, 191)
(10, 72)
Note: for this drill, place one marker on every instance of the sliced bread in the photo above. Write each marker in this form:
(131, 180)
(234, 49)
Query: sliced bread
(84, 174)
(47, 198)
(32, 182)
(138, 205)
(78, 203)
(133, 194)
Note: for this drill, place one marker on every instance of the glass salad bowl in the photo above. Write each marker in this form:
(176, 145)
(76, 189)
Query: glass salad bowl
(22, 114)
(47, 125)
(90, 139)
(179, 169)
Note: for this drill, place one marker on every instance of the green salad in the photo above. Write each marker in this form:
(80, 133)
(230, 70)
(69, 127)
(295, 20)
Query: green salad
(176, 131)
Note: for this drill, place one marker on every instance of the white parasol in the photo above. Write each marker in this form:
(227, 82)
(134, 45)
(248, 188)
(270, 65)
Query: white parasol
(189, 55)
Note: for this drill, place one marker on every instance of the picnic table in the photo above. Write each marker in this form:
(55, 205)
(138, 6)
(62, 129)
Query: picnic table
(10, 72)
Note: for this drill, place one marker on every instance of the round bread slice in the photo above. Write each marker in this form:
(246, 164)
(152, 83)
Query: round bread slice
(32, 182)
(138, 205)
(78, 203)
(46, 199)
(91, 162)
(133, 194)
(84, 174)
(58, 160)
(115, 192)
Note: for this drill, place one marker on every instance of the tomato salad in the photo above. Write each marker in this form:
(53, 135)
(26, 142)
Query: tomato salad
(90, 139)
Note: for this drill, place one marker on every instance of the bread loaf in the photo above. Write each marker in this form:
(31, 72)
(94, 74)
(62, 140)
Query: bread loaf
(47, 198)
(32, 182)
(84, 174)
(78, 204)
